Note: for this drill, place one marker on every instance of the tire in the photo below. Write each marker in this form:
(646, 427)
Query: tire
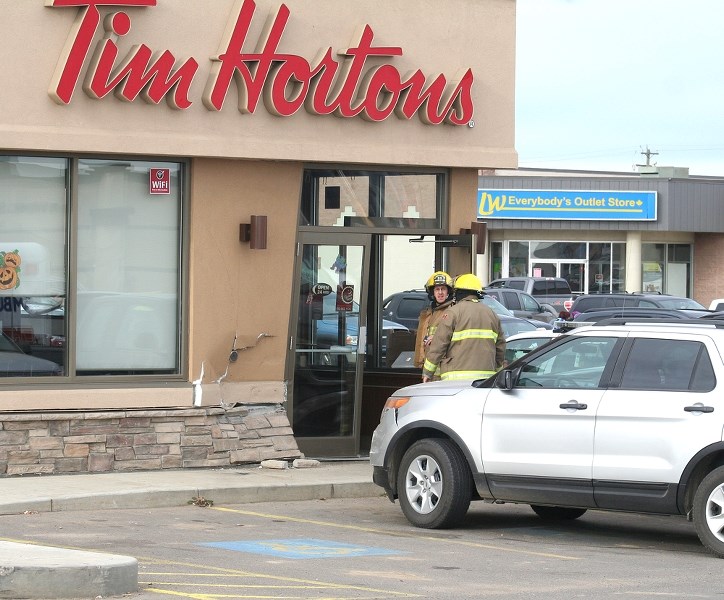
(434, 485)
(708, 512)
(557, 513)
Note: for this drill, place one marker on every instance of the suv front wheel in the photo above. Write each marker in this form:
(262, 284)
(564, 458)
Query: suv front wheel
(708, 512)
(434, 485)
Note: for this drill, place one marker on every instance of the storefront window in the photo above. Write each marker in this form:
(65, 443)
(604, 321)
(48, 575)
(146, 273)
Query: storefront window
(678, 270)
(125, 274)
(518, 259)
(618, 267)
(652, 266)
(33, 266)
(338, 198)
(594, 268)
(128, 269)
(496, 260)
(666, 268)
(557, 250)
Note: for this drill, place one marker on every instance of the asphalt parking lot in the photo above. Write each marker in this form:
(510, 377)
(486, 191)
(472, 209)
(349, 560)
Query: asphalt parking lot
(364, 548)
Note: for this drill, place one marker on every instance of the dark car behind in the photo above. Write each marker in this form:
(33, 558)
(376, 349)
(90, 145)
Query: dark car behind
(600, 301)
(640, 313)
(405, 307)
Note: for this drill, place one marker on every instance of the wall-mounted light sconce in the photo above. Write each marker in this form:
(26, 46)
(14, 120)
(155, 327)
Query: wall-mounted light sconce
(254, 232)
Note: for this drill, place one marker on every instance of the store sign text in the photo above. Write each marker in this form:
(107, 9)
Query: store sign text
(345, 85)
(600, 205)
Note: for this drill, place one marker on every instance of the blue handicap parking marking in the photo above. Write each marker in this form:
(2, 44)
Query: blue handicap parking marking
(302, 548)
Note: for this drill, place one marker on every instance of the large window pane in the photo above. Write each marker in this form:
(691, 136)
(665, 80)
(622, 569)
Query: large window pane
(338, 198)
(32, 266)
(128, 269)
(518, 259)
(411, 196)
(558, 250)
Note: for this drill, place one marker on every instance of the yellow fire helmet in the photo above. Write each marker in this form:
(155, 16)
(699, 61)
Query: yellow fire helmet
(438, 278)
(468, 282)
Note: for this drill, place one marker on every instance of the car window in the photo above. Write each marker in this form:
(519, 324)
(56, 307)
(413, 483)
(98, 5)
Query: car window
(583, 304)
(579, 363)
(673, 365)
(679, 303)
(516, 348)
(516, 285)
(7, 345)
(540, 288)
(410, 308)
(513, 326)
(497, 307)
(529, 303)
(559, 287)
(511, 300)
(647, 304)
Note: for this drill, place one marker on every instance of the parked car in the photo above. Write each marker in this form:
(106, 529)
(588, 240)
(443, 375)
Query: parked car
(523, 305)
(596, 301)
(404, 307)
(555, 291)
(520, 344)
(640, 313)
(717, 304)
(327, 335)
(15, 363)
(619, 417)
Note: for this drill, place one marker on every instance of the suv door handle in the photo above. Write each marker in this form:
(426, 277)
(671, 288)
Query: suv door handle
(699, 408)
(575, 405)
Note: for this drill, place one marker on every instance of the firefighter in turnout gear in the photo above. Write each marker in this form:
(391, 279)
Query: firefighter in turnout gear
(440, 292)
(469, 342)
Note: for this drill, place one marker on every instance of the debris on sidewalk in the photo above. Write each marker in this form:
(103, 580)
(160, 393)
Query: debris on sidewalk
(274, 464)
(305, 463)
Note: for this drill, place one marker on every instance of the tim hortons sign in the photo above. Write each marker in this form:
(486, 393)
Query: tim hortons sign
(357, 81)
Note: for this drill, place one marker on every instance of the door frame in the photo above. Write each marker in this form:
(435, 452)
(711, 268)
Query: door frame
(558, 262)
(342, 445)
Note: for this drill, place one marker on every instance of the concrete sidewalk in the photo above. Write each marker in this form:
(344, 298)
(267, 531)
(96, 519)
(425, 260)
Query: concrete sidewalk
(40, 572)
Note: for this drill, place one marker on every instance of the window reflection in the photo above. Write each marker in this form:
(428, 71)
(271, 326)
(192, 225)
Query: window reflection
(345, 198)
(32, 266)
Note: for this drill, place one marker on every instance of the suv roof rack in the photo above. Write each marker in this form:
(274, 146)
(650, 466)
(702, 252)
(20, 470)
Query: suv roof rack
(717, 323)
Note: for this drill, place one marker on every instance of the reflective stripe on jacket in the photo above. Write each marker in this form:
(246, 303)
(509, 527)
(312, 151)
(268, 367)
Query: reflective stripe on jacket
(469, 342)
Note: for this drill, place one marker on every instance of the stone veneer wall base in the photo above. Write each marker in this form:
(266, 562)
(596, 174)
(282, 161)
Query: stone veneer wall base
(127, 440)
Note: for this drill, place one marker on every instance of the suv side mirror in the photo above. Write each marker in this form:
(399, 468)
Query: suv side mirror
(504, 380)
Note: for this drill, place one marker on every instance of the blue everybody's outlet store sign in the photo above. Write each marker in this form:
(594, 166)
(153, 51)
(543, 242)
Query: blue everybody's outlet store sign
(567, 204)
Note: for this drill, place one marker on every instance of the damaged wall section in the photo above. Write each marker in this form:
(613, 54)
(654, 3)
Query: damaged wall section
(128, 440)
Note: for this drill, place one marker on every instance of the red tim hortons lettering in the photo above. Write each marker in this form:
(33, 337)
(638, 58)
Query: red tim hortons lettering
(286, 82)
(357, 81)
(73, 55)
(134, 76)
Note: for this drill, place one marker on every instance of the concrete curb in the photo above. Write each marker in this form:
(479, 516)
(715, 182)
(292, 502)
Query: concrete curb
(182, 497)
(30, 571)
(143, 490)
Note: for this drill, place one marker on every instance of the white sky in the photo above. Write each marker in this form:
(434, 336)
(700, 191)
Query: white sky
(597, 81)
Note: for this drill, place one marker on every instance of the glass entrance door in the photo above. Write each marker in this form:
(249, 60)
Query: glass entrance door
(572, 271)
(330, 342)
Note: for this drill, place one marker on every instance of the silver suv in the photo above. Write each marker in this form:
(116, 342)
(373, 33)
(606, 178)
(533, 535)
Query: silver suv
(622, 416)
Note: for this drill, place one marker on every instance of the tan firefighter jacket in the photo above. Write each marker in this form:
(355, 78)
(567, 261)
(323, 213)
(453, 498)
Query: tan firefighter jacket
(429, 318)
(469, 342)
